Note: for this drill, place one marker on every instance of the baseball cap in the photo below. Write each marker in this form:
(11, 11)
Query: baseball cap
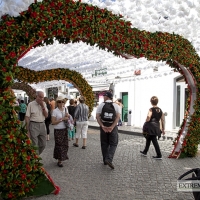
(108, 94)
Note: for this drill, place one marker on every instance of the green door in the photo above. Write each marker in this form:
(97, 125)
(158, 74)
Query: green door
(125, 108)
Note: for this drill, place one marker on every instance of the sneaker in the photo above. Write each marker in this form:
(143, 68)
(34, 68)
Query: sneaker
(109, 164)
(83, 147)
(76, 145)
(142, 153)
(157, 157)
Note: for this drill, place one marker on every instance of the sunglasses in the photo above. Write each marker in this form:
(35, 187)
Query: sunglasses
(60, 101)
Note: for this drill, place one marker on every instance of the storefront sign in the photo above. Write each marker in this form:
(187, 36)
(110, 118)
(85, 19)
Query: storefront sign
(100, 72)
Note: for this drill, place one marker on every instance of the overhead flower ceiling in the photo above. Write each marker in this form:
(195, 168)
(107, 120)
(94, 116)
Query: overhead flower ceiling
(180, 17)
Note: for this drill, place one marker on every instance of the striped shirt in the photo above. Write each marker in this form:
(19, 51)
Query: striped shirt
(81, 112)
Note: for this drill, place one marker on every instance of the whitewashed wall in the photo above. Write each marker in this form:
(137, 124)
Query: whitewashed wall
(140, 92)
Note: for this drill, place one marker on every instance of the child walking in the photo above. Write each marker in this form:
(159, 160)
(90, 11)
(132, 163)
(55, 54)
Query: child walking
(71, 131)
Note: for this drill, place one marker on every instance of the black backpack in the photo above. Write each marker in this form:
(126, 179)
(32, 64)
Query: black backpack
(108, 113)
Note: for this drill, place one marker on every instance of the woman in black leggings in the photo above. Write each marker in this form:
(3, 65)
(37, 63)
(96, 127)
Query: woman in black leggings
(152, 127)
(48, 119)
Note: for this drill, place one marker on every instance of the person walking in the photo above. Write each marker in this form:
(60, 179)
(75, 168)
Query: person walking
(59, 115)
(52, 104)
(81, 120)
(71, 109)
(152, 127)
(22, 110)
(48, 118)
(35, 115)
(119, 102)
(107, 115)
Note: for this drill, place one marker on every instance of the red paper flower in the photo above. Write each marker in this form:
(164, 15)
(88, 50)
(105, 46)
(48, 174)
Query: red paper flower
(23, 176)
(12, 54)
(34, 14)
(28, 157)
(11, 137)
(9, 23)
(10, 195)
(28, 141)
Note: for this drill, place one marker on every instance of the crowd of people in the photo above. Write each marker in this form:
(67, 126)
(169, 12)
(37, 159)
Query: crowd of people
(71, 122)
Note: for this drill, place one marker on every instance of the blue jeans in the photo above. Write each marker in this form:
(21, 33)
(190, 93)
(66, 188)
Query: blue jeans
(120, 122)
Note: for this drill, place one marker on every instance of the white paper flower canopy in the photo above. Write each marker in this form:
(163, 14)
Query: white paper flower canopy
(179, 16)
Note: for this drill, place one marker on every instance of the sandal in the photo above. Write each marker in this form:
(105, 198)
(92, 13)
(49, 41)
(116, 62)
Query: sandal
(60, 164)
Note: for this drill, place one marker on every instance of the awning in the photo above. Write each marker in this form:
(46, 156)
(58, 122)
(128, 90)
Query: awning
(96, 89)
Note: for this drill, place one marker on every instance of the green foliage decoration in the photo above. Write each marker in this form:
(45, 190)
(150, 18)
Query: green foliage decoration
(69, 21)
(31, 93)
(30, 76)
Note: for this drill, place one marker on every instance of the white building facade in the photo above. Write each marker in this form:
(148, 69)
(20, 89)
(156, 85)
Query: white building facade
(136, 91)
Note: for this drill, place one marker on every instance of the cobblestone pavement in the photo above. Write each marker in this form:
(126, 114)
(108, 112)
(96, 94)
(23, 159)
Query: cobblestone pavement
(135, 177)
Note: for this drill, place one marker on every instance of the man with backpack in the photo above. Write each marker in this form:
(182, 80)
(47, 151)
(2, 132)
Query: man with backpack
(107, 115)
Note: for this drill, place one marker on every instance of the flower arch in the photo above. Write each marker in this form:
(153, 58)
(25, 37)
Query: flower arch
(25, 87)
(30, 76)
(69, 21)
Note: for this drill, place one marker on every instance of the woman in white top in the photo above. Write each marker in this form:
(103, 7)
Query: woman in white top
(59, 115)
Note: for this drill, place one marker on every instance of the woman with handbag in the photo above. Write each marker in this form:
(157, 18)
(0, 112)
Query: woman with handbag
(152, 128)
(59, 116)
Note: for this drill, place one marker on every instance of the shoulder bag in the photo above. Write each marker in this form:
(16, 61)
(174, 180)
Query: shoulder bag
(66, 122)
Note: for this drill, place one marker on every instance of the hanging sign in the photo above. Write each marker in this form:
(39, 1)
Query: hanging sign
(100, 72)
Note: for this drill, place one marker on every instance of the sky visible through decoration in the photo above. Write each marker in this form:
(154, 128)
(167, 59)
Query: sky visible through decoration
(180, 17)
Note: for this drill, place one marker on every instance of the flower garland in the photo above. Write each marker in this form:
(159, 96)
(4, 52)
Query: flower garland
(66, 21)
(18, 156)
(30, 76)
(25, 87)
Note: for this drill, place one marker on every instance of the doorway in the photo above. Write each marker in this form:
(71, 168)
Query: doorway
(125, 108)
(181, 96)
